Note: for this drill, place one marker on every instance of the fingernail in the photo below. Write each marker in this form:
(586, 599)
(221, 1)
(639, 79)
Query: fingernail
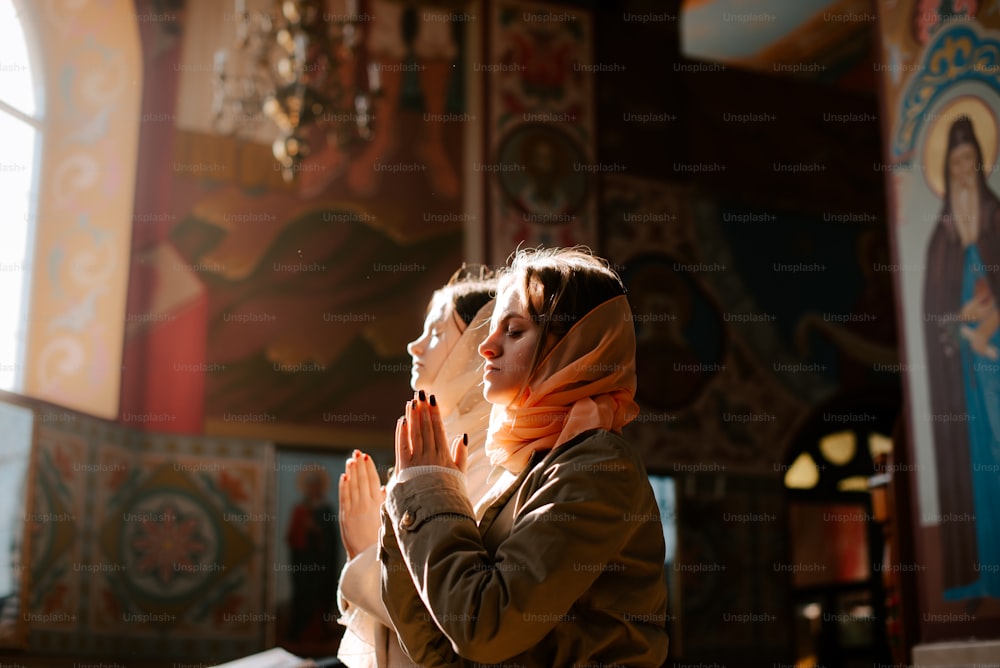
(433, 401)
(422, 395)
(465, 439)
(413, 404)
(403, 419)
(364, 457)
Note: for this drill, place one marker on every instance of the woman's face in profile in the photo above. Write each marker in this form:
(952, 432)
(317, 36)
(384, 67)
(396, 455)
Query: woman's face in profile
(431, 349)
(508, 348)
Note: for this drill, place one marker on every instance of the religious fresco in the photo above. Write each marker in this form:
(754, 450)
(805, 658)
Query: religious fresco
(942, 140)
(147, 544)
(541, 175)
(295, 300)
(307, 551)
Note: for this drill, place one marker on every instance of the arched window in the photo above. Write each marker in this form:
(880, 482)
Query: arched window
(70, 100)
(20, 127)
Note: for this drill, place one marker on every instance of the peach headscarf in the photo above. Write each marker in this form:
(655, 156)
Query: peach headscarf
(587, 381)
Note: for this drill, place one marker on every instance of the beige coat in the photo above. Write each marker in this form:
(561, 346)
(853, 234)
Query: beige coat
(564, 569)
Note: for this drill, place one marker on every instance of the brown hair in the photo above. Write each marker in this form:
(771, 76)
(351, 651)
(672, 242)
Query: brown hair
(561, 285)
(468, 290)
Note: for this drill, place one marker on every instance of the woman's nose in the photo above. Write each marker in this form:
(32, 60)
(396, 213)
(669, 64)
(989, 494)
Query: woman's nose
(411, 347)
(486, 348)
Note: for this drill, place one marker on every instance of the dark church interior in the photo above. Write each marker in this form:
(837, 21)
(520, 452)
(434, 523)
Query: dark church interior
(227, 218)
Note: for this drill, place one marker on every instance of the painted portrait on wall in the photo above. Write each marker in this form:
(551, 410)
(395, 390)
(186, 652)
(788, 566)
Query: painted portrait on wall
(308, 554)
(942, 179)
(548, 189)
(541, 127)
(961, 287)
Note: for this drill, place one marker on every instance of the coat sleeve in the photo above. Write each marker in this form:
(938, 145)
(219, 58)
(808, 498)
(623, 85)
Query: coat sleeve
(568, 528)
(418, 636)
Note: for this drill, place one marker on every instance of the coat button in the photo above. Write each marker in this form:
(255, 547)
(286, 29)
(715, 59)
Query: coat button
(407, 520)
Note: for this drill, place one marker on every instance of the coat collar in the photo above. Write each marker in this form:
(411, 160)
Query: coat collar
(495, 508)
(537, 457)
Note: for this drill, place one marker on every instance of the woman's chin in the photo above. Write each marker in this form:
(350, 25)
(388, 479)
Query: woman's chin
(493, 396)
(422, 382)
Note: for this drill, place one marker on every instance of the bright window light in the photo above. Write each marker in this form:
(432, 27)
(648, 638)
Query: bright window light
(19, 126)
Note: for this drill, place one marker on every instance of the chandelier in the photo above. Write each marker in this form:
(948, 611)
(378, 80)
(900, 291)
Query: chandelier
(293, 68)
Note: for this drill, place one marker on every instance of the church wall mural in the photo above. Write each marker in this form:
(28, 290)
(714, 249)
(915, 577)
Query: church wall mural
(144, 545)
(542, 170)
(282, 309)
(941, 97)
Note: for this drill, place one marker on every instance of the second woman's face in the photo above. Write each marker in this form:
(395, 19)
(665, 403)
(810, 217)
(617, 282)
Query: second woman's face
(508, 348)
(429, 352)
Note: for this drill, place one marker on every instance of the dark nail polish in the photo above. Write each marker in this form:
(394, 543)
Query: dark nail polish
(413, 404)
(465, 440)
(422, 395)
(433, 401)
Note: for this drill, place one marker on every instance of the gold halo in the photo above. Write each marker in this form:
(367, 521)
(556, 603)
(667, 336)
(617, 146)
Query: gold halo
(984, 124)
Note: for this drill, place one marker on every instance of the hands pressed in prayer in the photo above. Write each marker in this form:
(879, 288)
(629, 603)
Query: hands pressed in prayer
(421, 441)
(361, 496)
